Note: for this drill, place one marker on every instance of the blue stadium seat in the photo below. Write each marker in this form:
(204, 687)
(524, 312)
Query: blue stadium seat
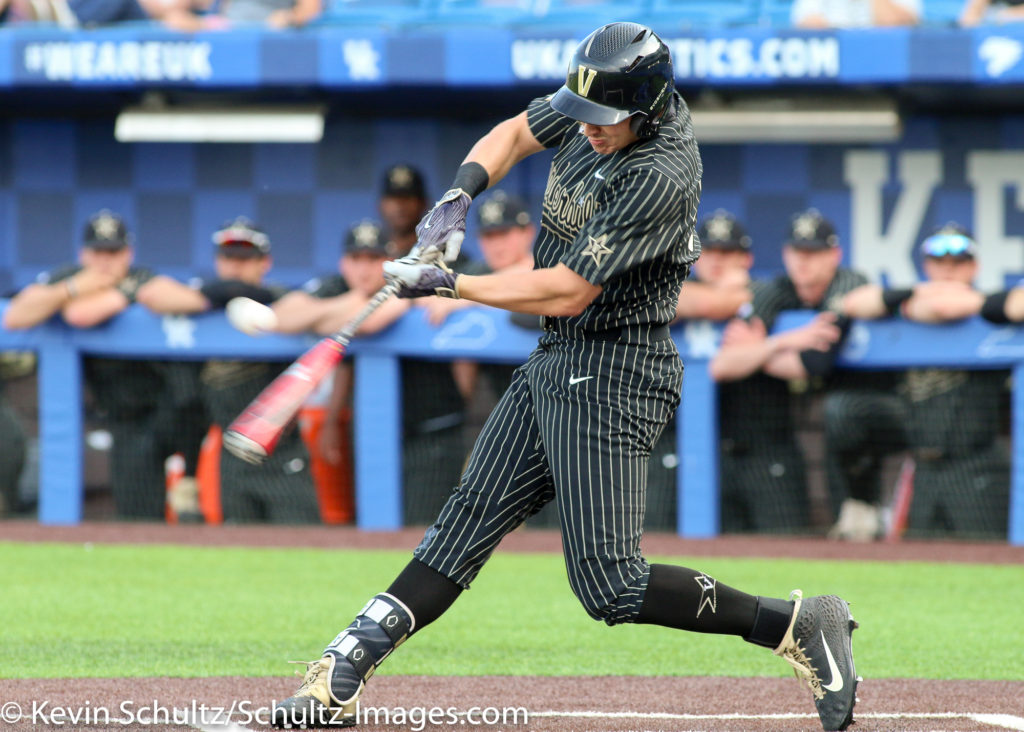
(389, 14)
(677, 14)
(775, 13)
(942, 12)
(589, 14)
(483, 11)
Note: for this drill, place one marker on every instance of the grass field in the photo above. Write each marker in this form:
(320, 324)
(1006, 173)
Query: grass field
(70, 610)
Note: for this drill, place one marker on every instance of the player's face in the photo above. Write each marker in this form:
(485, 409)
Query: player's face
(715, 264)
(246, 269)
(115, 262)
(363, 271)
(606, 139)
(505, 247)
(950, 269)
(811, 270)
(402, 213)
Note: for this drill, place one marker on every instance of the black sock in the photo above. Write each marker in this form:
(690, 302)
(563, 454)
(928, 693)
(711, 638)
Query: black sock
(682, 598)
(425, 591)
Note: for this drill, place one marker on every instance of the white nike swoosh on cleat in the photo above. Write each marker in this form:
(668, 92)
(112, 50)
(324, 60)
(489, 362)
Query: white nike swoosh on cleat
(836, 684)
(578, 379)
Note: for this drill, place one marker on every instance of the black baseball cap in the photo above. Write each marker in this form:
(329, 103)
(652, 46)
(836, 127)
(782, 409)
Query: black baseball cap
(722, 231)
(811, 231)
(106, 230)
(502, 211)
(241, 238)
(403, 180)
(367, 236)
(950, 240)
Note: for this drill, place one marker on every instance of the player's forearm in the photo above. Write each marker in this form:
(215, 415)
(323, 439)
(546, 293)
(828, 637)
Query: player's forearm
(865, 302)
(741, 360)
(1014, 306)
(555, 291)
(340, 310)
(91, 310)
(786, 364)
(700, 301)
(888, 13)
(504, 146)
(35, 304)
(164, 296)
(943, 307)
(300, 312)
(973, 12)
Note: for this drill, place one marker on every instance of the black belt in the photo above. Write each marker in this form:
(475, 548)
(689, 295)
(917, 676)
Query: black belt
(626, 333)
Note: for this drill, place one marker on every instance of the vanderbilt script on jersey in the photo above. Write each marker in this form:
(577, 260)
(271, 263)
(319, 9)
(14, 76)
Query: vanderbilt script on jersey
(567, 208)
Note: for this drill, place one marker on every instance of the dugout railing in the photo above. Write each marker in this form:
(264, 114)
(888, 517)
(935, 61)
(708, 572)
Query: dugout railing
(481, 334)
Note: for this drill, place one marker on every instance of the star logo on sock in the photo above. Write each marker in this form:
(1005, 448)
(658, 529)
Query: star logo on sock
(708, 594)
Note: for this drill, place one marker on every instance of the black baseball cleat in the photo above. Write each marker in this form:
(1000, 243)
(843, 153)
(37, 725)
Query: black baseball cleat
(316, 705)
(818, 646)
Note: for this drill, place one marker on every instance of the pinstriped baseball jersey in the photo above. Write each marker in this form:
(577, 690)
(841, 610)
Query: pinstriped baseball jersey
(624, 221)
(580, 417)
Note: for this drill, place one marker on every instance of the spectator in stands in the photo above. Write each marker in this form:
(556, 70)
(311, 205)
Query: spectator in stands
(402, 203)
(855, 13)
(149, 407)
(720, 283)
(37, 11)
(280, 490)
(976, 12)
(951, 419)
(767, 480)
(196, 15)
(718, 289)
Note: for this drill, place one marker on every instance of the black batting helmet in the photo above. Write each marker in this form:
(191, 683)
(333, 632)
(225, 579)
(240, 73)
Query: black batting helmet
(620, 70)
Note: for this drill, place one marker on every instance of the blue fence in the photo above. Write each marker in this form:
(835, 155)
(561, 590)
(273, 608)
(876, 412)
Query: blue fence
(477, 333)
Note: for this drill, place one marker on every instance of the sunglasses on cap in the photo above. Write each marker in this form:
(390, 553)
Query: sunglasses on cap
(949, 245)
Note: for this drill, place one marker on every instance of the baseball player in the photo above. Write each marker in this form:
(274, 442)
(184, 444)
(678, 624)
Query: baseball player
(150, 407)
(577, 423)
(951, 418)
(281, 489)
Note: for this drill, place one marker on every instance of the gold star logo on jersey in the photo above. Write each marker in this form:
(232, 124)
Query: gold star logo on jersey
(597, 249)
(720, 229)
(366, 234)
(492, 213)
(400, 177)
(106, 226)
(805, 227)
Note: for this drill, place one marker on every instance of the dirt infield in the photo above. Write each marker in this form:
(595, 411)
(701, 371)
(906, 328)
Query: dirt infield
(524, 540)
(558, 704)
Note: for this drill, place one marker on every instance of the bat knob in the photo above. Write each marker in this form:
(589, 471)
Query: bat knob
(244, 447)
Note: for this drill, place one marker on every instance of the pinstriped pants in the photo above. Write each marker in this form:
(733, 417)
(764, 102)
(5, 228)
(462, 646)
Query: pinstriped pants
(577, 424)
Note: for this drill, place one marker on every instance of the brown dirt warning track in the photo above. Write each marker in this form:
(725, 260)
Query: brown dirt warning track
(555, 704)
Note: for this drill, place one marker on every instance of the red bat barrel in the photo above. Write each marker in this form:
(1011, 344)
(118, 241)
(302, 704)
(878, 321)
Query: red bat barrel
(255, 432)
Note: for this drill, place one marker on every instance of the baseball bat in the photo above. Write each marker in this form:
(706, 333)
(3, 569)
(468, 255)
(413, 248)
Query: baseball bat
(255, 432)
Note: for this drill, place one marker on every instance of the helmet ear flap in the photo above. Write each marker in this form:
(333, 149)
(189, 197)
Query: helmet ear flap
(644, 126)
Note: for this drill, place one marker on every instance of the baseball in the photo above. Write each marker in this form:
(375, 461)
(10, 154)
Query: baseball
(250, 317)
